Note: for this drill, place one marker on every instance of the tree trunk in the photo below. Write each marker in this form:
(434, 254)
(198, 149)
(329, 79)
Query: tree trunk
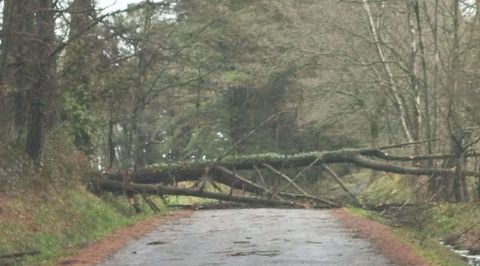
(42, 88)
(17, 59)
(111, 145)
(169, 190)
(184, 171)
(426, 90)
(397, 99)
(434, 183)
(458, 135)
(413, 69)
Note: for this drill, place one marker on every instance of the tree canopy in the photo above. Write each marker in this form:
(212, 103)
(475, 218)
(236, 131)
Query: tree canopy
(195, 81)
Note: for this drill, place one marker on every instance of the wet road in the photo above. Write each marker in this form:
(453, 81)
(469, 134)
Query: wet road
(251, 237)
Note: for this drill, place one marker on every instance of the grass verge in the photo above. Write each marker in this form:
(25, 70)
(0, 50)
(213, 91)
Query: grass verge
(423, 242)
(424, 225)
(57, 223)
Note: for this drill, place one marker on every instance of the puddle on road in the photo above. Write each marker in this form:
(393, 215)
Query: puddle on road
(280, 240)
(266, 253)
(215, 231)
(156, 243)
(241, 242)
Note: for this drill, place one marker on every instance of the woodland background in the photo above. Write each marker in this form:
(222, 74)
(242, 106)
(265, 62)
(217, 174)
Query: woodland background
(185, 80)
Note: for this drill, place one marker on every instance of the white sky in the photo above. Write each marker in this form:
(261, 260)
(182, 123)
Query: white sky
(113, 5)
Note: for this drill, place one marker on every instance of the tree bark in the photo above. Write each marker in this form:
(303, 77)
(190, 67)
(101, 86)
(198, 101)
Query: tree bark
(42, 88)
(218, 171)
(17, 60)
(413, 69)
(426, 83)
(116, 186)
(184, 171)
(342, 185)
(111, 145)
(456, 125)
(398, 102)
(234, 180)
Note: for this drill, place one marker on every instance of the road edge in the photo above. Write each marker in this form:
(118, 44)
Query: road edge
(382, 237)
(97, 252)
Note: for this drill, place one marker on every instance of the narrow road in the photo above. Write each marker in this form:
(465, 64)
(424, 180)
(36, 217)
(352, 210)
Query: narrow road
(251, 237)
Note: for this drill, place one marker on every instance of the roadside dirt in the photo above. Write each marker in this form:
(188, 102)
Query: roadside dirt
(382, 237)
(96, 252)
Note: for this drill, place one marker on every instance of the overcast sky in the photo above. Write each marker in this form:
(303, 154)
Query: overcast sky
(113, 5)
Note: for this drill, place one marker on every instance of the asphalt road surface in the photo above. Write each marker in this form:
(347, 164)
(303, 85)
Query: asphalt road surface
(251, 237)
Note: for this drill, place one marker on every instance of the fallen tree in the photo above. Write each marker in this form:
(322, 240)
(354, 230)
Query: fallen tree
(190, 171)
(110, 185)
(234, 180)
(161, 178)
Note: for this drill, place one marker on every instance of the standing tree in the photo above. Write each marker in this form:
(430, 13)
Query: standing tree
(16, 66)
(42, 85)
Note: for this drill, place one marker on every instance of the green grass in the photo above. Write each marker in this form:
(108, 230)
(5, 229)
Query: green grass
(422, 226)
(421, 241)
(437, 220)
(428, 247)
(57, 224)
(453, 218)
(388, 189)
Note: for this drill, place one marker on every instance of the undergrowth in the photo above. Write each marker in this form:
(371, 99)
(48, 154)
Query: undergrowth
(421, 241)
(388, 189)
(423, 225)
(54, 224)
(45, 208)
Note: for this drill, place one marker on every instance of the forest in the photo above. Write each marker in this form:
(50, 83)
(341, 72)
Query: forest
(227, 99)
